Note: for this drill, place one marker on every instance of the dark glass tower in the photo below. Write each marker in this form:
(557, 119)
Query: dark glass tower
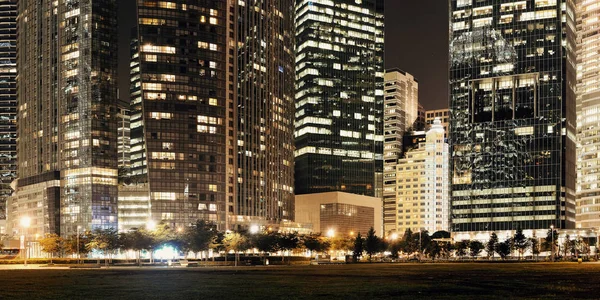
(67, 97)
(8, 100)
(178, 112)
(264, 89)
(512, 119)
(339, 96)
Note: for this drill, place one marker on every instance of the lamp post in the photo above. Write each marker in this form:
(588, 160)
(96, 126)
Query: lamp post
(78, 256)
(552, 234)
(25, 222)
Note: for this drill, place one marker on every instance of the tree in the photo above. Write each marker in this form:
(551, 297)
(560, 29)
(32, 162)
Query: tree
(198, 237)
(394, 247)
(288, 242)
(410, 242)
(490, 246)
(434, 249)
(236, 242)
(104, 240)
(138, 240)
(314, 243)
(265, 242)
(520, 242)
(358, 248)
(551, 242)
(51, 243)
(342, 243)
(475, 248)
(461, 247)
(70, 243)
(535, 246)
(372, 243)
(503, 249)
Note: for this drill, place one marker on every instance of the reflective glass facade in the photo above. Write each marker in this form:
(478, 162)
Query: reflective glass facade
(67, 99)
(512, 123)
(339, 96)
(8, 100)
(264, 96)
(178, 113)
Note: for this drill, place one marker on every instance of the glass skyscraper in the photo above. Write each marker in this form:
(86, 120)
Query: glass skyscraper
(8, 100)
(67, 98)
(339, 96)
(263, 85)
(178, 112)
(512, 124)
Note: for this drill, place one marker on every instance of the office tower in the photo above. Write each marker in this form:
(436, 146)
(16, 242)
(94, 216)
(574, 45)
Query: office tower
(339, 97)
(512, 124)
(178, 114)
(8, 100)
(263, 88)
(124, 138)
(420, 123)
(442, 114)
(67, 115)
(422, 185)
(401, 104)
(588, 121)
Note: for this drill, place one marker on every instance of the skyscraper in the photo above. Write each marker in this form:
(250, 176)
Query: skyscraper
(67, 115)
(588, 122)
(178, 114)
(512, 124)
(8, 100)
(401, 105)
(422, 186)
(263, 88)
(339, 96)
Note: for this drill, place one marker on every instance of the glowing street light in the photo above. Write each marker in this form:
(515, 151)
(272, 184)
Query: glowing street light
(330, 233)
(254, 229)
(150, 225)
(25, 222)
(394, 236)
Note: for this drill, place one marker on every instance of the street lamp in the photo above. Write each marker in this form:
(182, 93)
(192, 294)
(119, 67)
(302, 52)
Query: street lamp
(25, 222)
(151, 225)
(78, 255)
(552, 233)
(254, 229)
(330, 233)
(394, 236)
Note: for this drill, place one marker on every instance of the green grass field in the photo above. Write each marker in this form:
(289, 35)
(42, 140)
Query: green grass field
(364, 281)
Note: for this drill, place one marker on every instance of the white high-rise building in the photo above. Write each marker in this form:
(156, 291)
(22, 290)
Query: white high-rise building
(401, 105)
(422, 191)
(588, 113)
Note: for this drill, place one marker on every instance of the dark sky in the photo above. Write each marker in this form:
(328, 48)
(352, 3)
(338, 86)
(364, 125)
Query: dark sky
(416, 42)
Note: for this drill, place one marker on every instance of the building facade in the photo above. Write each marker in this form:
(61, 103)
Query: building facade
(263, 45)
(442, 114)
(588, 121)
(339, 96)
(339, 214)
(67, 98)
(422, 191)
(401, 105)
(8, 100)
(512, 123)
(178, 111)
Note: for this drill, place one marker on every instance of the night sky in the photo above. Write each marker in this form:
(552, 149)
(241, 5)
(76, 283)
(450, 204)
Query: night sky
(416, 42)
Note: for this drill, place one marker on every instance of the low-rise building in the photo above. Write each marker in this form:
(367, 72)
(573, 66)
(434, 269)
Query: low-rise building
(340, 214)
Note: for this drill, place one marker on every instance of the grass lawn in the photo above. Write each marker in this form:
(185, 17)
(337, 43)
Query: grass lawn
(364, 281)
